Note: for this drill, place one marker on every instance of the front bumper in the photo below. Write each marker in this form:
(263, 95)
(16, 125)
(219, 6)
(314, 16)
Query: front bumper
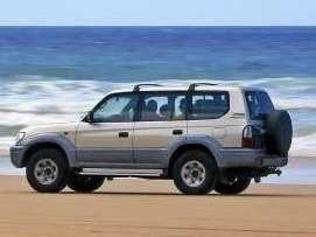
(242, 157)
(17, 155)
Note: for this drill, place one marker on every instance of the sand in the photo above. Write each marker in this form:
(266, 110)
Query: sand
(130, 207)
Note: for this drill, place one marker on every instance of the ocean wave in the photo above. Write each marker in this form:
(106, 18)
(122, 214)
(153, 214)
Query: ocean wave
(304, 146)
(5, 143)
(295, 103)
(34, 99)
(7, 131)
(23, 119)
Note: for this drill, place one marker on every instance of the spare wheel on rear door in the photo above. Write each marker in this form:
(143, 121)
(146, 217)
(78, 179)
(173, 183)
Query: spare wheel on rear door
(279, 132)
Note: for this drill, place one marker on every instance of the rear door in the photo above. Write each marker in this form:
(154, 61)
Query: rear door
(209, 115)
(259, 106)
(160, 123)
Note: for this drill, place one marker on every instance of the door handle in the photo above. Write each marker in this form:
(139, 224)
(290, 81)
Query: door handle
(123, 134)
(177, 132)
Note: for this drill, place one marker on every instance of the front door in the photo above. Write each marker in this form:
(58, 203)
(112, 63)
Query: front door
(106, 141)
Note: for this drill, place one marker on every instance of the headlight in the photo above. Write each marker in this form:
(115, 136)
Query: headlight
(19, 137)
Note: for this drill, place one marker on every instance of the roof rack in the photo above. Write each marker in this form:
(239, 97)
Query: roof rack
(138, 86)
(194, 85)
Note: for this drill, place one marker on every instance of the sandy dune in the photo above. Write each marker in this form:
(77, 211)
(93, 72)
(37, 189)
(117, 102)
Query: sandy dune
(154, 208)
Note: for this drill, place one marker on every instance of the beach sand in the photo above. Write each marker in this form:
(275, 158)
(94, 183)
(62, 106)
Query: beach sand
(130, 207)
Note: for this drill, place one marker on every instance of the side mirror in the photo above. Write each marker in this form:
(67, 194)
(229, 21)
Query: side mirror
(89, 117)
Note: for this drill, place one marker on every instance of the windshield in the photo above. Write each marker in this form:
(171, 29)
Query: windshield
(259, 104)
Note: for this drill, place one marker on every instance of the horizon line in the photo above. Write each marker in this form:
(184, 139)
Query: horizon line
(158, 25)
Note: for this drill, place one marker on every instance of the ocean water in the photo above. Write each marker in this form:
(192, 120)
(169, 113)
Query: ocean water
(50, 74)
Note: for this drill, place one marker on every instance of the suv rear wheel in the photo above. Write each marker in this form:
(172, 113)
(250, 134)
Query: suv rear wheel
(236, 186)
(47, 170)
(195, 172)
(84, 183)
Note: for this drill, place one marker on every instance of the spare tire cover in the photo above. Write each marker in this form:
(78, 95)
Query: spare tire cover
(279, 132)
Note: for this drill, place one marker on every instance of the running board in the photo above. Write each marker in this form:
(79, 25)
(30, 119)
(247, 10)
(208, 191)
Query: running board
(121, 172)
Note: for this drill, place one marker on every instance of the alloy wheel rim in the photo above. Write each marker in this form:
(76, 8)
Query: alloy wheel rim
(193, 173)
(46, 171)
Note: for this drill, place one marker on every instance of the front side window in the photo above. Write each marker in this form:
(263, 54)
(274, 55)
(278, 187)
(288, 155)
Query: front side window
(117, 108)
(209, 105)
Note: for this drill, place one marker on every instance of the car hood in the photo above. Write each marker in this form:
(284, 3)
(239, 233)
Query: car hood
(51, 128)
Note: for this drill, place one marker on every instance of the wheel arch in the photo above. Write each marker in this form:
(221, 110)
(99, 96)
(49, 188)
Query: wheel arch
(41, 145)
(187, 147)
(51, 141)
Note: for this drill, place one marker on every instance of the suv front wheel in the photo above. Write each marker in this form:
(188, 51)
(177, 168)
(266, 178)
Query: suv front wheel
(195, 172)
(47, 170)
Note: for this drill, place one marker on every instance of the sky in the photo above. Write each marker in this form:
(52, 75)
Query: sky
(158, 12)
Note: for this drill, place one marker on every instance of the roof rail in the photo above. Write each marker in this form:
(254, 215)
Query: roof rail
(194, 85)
(138, 86)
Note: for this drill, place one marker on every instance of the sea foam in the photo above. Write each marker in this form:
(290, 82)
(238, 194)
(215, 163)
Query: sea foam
(34, 100)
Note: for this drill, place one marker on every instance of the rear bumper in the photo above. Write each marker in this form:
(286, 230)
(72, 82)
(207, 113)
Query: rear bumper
(16, 155)
(231, 157)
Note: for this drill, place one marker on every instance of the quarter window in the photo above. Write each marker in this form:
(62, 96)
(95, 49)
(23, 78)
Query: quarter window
(209, 105)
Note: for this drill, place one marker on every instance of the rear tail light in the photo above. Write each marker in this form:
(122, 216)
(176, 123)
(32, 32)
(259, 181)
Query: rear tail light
(247, 137)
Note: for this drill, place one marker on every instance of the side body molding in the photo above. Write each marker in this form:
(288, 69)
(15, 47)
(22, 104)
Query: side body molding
(55, 138)
(69, 147)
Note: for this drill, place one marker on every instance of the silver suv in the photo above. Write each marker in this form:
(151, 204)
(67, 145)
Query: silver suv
(205, 137)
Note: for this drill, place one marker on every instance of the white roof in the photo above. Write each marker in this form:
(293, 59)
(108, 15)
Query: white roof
(185, 88)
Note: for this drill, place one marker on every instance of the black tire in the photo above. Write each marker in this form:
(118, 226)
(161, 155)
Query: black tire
(237, 186)
(84, 183)
(210, 168)
(279, 132)
(34, 170)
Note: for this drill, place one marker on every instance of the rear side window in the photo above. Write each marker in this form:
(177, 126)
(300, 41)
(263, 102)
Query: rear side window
(259, 104)
(162, 106)
(209, 105)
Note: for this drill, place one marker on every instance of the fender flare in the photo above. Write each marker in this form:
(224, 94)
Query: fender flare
(65, 144)
(211, 144)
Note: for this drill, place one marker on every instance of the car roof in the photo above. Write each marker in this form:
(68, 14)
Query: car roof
(162, 87)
